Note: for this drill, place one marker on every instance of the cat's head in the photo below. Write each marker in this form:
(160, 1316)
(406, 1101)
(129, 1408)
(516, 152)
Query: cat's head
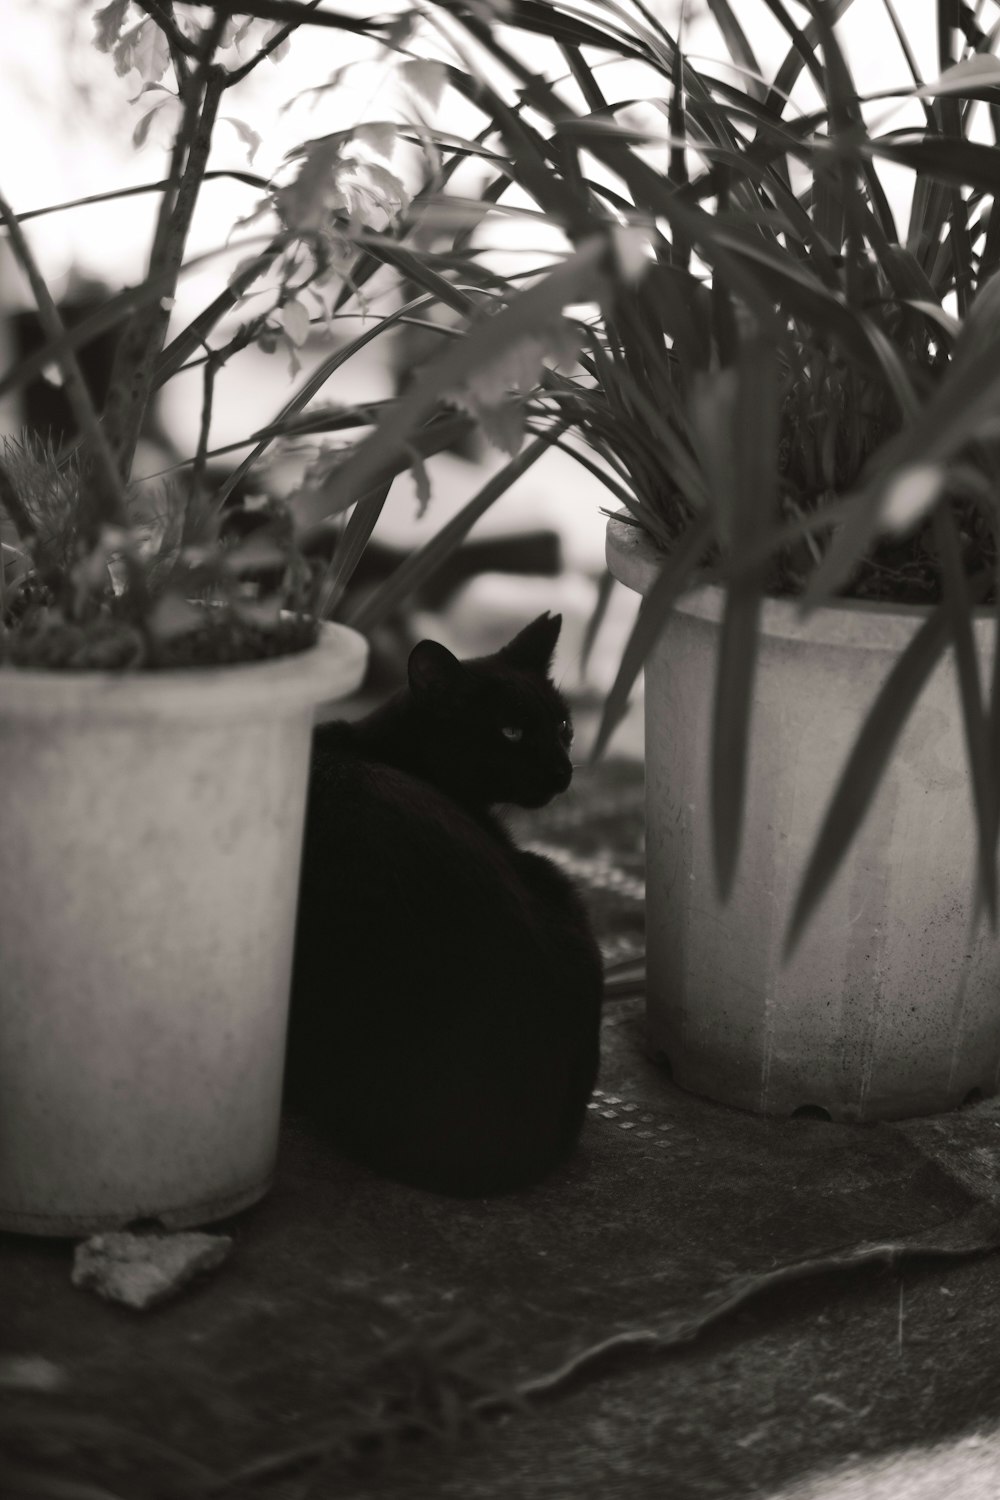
(496, 728)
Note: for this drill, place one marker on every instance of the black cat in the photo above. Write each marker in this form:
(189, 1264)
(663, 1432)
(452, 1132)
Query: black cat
(447, 988)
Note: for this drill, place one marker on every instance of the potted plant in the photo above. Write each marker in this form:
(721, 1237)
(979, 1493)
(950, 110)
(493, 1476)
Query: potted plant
(794, 400)
(822, 713)
(800, 404)
(159, 671)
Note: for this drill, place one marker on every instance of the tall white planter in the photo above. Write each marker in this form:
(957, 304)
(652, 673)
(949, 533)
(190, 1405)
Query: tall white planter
(890, 1005)
(150, 837)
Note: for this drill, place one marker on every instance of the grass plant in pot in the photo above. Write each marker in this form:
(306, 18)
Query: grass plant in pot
(794, 400)
(800, 402)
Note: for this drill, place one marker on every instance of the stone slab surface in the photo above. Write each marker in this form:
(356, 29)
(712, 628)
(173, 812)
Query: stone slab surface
(365, 1324)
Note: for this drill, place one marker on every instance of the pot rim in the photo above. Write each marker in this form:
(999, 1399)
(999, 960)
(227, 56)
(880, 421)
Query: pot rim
(330, 668)
(635, 561)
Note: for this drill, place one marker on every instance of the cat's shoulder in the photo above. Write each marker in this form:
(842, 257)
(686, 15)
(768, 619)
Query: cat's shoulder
(343, 773)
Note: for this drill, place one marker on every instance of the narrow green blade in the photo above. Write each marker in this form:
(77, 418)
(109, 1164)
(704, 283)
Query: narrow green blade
(867, 763)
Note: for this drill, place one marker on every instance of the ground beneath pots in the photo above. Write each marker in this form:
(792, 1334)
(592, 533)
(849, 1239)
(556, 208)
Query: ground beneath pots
(754, 1307)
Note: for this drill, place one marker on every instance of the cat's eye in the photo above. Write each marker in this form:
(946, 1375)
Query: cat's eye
(512, 733)
(566, 732)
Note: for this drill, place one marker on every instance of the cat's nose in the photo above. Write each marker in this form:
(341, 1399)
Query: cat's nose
(563, 776)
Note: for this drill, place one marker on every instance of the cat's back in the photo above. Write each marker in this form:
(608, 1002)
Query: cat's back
(376, 830)
(348, 787)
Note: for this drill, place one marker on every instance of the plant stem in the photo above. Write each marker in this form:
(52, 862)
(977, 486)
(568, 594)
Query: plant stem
(296, 14)
(208, 392)
(173, 356)
(279, 37)
(103, 503)
(132, 378)
(165, 21)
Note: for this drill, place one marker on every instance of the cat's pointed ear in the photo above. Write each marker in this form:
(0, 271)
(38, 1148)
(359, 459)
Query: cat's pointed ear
(534, 647)
(433, 671)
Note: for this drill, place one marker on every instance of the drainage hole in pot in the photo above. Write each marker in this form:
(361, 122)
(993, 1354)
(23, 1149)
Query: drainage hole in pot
(811, 1112)
(974, 1096)
(662, 1061)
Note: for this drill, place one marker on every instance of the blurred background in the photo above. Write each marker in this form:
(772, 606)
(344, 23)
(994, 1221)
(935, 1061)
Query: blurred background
(74, 129)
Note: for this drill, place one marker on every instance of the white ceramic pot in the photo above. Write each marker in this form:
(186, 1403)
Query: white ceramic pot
(890, 1005)
(150, 838)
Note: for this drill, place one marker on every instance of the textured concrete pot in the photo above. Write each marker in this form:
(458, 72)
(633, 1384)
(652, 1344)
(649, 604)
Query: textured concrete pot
(150, 837)
(890, 1005)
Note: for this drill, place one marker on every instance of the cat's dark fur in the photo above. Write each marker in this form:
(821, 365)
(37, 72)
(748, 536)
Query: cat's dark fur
(447, 990)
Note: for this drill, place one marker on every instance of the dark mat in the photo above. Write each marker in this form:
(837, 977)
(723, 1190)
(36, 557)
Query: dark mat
(702, 1304)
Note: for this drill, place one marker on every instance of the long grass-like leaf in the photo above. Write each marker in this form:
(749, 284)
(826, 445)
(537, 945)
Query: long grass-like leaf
(754, 445)
(964, 404)
(574, 280)
(527, 149)
(583, 76)
(547, 20)
(983, 772)
(674, 461)
(732, 702)
(605, 588)
(308, 389)
(739, 47)
(957, 163)
(685, 308)
(349, 550)
(677, 171)
(423, 563)
(802, 53)
(415, 268)
(975, 77)
(674, 578)
(867, 763)
(806, 298)
(835, 179)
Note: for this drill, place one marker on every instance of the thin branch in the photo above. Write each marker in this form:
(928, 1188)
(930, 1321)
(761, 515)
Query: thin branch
(165, 21)
(108, 500)
(238, 74)
(246, 333)
(177, 351)
(194, 91)
(208, 393)
(132, 379)
(298, 15)
(179, 157)
(250, 178)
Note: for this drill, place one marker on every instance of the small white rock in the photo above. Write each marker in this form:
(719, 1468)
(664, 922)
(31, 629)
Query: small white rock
(30, 1372)
(140, 1270)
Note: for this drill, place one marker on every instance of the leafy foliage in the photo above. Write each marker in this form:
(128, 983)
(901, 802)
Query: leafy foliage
(179, 585)
(793, 395)
(781, 366)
